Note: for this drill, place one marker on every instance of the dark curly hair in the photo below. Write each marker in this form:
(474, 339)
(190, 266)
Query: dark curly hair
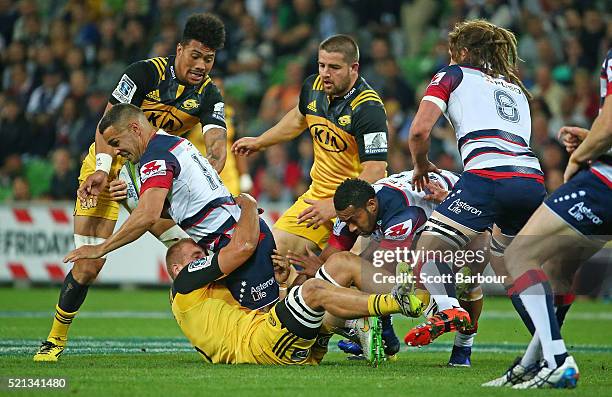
(205, 28)
(355, 192)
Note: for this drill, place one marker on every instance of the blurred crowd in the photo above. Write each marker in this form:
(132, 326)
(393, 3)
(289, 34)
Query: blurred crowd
(60, 60)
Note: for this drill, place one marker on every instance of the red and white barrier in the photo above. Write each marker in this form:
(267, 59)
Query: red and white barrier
(35, 238)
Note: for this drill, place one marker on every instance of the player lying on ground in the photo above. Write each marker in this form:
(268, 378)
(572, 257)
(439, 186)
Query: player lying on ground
(391, 214)
(177, 85)
(574, 222)
(225, 333)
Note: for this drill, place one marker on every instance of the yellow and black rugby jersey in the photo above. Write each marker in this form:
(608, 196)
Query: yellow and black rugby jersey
(346, 131)
(168, 103)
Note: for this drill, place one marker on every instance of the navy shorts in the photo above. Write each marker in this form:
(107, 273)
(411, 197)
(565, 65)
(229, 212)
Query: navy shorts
(478, 203)
(253, 284)
(584, 203)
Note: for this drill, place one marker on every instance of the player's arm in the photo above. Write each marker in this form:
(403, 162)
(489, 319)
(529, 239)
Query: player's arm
(371, 134)
(434, 103)
(214, 128)
(145, 215)
(596, 143)
(245, 238)
(240, 248)
(290, 126)
(418, 142)
(215, 140)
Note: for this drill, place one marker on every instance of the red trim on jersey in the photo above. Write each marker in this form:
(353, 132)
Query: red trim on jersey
(494, 152)
(342, 243)
(175, 145)
(505, 175)
(609, 88)
(399, 190)
(163, 181)
(494, 137)
(438, 91)
(602, 177)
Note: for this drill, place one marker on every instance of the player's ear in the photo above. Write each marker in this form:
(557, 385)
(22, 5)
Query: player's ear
(372, 205)
(175, 269)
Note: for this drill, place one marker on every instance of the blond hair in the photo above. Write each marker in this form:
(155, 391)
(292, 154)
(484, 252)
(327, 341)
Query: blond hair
(489, 47)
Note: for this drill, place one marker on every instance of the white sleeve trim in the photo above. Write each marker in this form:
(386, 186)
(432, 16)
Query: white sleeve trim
(211, 126)
(441, 104)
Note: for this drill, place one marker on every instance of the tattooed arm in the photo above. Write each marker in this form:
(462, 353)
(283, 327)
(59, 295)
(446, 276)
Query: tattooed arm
(215, 140)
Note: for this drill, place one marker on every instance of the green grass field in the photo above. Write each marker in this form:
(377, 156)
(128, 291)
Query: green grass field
(127, 343)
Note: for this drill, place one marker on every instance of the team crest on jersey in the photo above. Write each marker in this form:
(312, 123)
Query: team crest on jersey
(399, 231)
(506, 107)
(437, 78)
(199, 264)
(152, 168)
(190, 104)
(125, 90)
(375, 142)
(338, 226)
(344, 120)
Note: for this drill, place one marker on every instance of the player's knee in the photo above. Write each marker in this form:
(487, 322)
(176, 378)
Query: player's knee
(85, 271)
(314, 291)
(339, 262)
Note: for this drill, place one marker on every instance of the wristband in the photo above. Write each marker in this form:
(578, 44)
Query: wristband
(104, 162)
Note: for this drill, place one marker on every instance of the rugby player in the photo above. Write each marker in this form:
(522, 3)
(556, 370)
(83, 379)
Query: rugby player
(502, 183)
(176, 93)
(224, 333)
(348, 124)
(392, 214)
(178, 181)
(572, 224)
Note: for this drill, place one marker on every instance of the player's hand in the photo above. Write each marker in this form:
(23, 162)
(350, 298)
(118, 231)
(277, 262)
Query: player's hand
(85, 252)
(246, 146)
(306, 265)
(91, 188)
(572, 168)
(420, 174)
(118, 190)
(435, 192)
(246, 202)
(319, 212)
(281, 267)
(571, 137)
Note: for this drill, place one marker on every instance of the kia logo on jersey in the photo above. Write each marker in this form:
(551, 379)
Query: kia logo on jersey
(327, 138)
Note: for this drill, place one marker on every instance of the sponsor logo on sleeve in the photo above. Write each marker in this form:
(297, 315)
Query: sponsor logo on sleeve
(199, 264)
(375, 142)
(125, 90)
(152, 168)
(218, 111)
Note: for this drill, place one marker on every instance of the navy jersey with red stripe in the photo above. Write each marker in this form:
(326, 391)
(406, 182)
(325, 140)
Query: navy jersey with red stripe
(198, 201)
(602, 167)
(396, 224)
(491, 119)
(202, 206)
